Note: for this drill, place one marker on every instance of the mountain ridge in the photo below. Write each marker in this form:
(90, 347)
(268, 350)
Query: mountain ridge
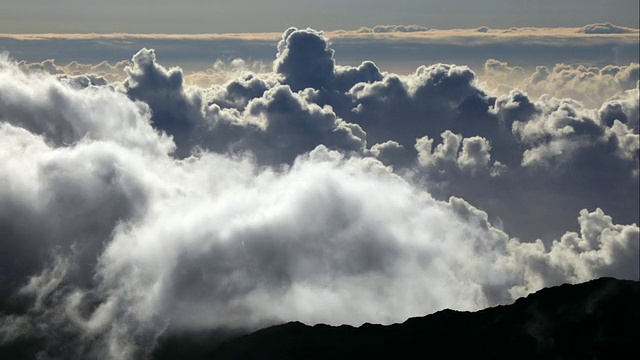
(595, 319)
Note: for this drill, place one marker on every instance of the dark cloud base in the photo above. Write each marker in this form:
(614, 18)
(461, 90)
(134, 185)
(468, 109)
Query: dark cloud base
(317, 192)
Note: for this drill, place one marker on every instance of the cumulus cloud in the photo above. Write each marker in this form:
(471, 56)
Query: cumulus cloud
(600, 249)
(315, 192)
(567, 146)
(589, 84)
(470, 155)
(420, 103)
(393, 111)
(175, 109)
(306, 60)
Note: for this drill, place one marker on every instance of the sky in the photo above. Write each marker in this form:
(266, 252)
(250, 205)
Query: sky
(205, 16)
(158, 185)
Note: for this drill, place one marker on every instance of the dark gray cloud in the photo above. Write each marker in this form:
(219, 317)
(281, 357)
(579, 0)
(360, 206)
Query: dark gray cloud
(316, 192)
(174, 109)
(250, 114)
(239, 91)
(421, 103)
(306, 60)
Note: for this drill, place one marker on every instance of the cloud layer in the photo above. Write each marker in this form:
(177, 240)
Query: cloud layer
(395, 48)
(316, 192)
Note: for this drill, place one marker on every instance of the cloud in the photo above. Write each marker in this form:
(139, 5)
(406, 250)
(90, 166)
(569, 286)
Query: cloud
(255, 259)
(291, 126)
(257, 115)
(237, 92)
(74, 68)
(563, 129)
(469, 155)
(224, 71)
(260, 260)
(248, 114)
(605, 28)
(392, 28)
(419, 103)
(315, 192)
(304, 59)
(43, 105)
(622, 107)
(600, 249)
(442, 97)
(556, 149)
(47, 65)
(400, 52)
(174, 109)
(591, 85)
(379, 30)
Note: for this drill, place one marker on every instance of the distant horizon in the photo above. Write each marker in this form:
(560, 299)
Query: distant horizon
(203, 16)
(395, 48)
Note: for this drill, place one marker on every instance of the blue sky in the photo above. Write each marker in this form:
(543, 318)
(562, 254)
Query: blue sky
(205, 16)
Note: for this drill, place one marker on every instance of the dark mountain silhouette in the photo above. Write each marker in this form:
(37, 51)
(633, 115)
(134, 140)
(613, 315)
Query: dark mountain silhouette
(594, 320)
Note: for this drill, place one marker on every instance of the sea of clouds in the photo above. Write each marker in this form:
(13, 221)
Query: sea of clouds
(141, 204)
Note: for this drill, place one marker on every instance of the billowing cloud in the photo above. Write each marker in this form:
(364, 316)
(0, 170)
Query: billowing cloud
(315, 192)
(305, 59)
(63, 115)
(247, 114)
(590, 85)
